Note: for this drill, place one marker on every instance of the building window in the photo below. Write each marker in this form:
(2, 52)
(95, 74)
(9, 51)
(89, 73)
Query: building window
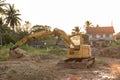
(100, 36)
(107, 35)
(97, 36)
(110, 35)
(90, 36)
(94, 36)
(103, 35)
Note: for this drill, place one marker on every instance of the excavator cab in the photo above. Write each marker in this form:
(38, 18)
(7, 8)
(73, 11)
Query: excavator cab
(78, 50)
(79, 55)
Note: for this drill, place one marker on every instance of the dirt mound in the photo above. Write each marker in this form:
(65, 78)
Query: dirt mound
(47, 70)
(113, 52)
(17, 53)
(26, 70)
(21, 55)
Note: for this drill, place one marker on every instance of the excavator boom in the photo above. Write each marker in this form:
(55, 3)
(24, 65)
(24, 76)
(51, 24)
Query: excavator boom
(42, 34)
(32, 36)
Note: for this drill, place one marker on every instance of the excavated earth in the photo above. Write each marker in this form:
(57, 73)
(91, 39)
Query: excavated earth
(44, 67)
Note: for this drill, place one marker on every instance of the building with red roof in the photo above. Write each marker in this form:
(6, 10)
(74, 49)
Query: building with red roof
(100, 36)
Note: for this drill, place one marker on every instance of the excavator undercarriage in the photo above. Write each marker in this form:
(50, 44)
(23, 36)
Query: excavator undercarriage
(77, 63)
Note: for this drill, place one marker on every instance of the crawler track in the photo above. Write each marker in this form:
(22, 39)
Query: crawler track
(77, 63)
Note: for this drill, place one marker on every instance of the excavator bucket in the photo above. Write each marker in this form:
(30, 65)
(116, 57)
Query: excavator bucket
(77, 63)
(16, 53)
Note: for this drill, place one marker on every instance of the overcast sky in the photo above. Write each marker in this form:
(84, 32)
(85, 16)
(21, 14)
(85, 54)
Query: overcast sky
(65, 14)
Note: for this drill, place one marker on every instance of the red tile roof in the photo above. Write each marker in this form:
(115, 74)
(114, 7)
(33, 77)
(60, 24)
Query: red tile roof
(100, 30)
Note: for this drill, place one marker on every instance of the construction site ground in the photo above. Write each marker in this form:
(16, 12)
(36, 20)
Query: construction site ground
(39, 67)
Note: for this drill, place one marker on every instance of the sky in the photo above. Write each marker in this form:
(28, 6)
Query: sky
(65, 14)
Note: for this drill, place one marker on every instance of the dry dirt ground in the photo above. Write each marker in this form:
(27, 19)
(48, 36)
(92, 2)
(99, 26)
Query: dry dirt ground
(45, 68)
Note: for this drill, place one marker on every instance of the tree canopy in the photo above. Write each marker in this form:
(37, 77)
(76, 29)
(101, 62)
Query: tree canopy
(2, 6)
(12, 18)
(88, 24)
(38, 28)
(76, 30)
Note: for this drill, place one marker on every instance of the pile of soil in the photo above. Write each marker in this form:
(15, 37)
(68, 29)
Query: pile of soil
(112, 52)
(17, 53)
(27, 70)
(23, 66)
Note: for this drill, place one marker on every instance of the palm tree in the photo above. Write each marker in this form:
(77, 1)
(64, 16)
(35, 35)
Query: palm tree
(12, 18)
(76, 30)
(88, 24)
(2, 5)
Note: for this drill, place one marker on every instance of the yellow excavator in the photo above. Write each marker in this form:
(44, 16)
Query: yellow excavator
(78, 56)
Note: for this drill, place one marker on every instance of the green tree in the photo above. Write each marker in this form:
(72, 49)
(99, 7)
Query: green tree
(2, 6)
(5, 33)
(3, 27)
(88, 24)
(76, 30)
(39, 28)
(40, 41)
(12, 18)
(86, 39)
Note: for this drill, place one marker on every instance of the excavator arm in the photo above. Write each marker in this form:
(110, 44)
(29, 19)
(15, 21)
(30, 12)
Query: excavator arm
(15, 54)
(32, 36)
(42, 34)
(62, 34)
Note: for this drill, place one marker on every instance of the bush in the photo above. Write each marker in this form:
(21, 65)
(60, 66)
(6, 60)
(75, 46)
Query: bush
(115, 43)
(3, 58)
(33, 50)
(4, 53)
(7, 38)
(58, 51)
